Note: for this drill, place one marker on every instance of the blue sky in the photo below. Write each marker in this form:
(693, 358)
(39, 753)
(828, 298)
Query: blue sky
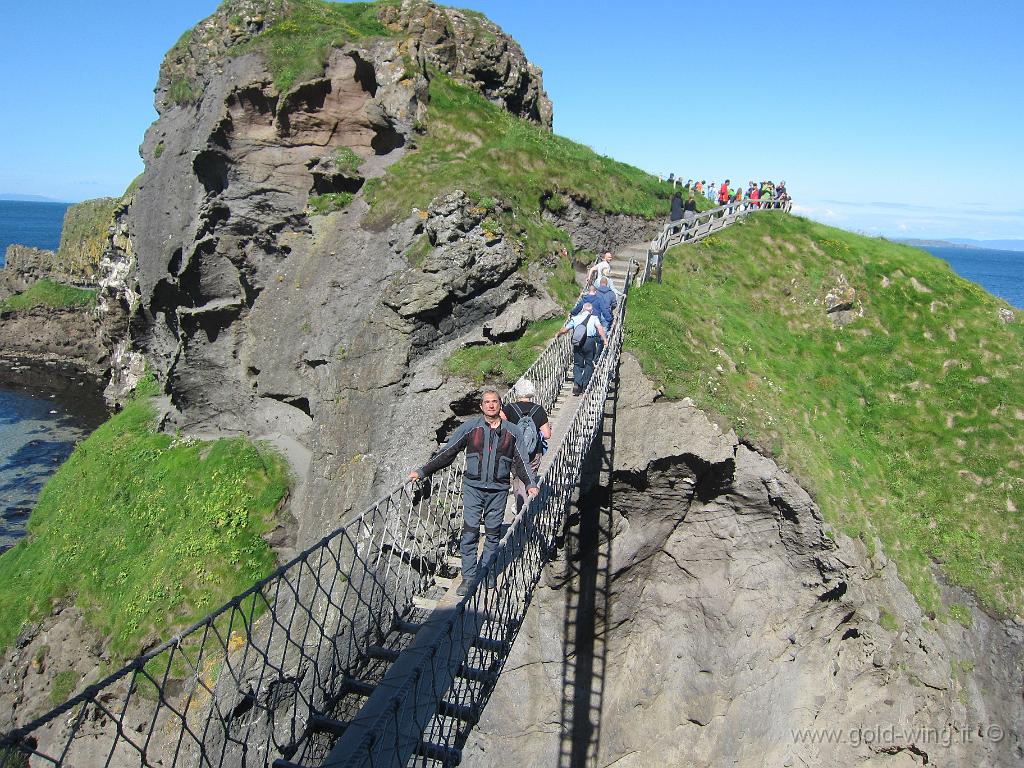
(897, 118)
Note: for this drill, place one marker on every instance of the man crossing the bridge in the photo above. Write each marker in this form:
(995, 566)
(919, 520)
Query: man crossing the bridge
(494, 450)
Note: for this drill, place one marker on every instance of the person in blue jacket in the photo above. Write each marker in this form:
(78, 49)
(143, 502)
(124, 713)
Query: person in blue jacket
(494, 450)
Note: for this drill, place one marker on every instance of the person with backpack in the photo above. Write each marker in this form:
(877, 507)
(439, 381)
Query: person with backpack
(532, 420)
(494, 449)
(724, 193)
(586, 328)
(689, 209)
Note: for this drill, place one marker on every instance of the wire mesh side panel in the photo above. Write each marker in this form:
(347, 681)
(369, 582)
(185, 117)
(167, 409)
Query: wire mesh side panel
(241, 685)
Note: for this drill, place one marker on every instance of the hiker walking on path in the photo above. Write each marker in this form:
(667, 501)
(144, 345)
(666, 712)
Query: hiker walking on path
(604, 301)
(533, 423)
(586, 330)
(601, 270)
(677, 207)
(690, 209)
(609, 302)
(494, 450)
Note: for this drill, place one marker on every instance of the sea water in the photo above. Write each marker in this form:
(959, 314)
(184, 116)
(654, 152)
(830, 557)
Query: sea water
(28, 223)
(44, 410)
(999, 272)
(43, 413)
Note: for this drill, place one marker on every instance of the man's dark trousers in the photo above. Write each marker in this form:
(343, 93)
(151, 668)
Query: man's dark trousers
(583, 362)
(478, 505)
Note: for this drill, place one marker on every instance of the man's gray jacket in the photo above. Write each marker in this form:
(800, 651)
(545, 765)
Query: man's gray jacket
(491, 455)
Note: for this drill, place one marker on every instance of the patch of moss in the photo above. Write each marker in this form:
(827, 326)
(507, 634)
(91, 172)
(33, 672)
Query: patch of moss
(46, 293)
(64, 684)
(329, 202)
(961, 614)
(183, 90)
(887, 621)
(347, 160)
(419, 251)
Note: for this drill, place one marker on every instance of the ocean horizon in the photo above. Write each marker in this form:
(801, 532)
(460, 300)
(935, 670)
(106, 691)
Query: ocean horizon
(1001, 273)
(31, 223)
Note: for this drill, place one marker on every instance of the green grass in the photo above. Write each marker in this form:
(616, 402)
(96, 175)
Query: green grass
(46, 293)
(64, 684)
(504, 363)
(419, 251)
(961, 614)
(907, 424)
(144, 534)
(888, 621)
(329, 202)
(476, 146)
(85, 234)
(347, 160)
(297, 46)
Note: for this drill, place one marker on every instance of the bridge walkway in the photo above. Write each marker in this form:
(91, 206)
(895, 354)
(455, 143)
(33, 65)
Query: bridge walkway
(454, 718)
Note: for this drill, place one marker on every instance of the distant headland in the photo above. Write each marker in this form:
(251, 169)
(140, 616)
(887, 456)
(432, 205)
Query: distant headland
(17, 198)
(961, 242)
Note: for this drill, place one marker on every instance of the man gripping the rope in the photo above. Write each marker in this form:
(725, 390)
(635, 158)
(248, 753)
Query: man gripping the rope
(494, 449)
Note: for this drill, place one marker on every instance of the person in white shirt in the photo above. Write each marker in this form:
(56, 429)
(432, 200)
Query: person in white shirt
(601, 270)
(585, 352)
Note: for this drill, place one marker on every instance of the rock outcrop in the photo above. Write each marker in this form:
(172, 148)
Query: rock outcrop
(24, 266)
(474, 50)
(260, 317)
(70, 336)
(598, 232)
(725, 624)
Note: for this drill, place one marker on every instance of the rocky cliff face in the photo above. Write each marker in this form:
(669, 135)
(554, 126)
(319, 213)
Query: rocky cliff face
(721, 623)
(260, 317)
(24, 266)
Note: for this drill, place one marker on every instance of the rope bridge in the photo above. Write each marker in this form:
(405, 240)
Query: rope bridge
(341, 657)
(700, 226)
(356, 652)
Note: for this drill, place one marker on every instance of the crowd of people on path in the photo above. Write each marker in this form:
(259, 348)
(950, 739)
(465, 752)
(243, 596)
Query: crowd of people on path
(722, 194)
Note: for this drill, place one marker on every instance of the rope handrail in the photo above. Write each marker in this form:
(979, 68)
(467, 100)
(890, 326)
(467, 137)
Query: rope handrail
(416, 711)
(701, 225)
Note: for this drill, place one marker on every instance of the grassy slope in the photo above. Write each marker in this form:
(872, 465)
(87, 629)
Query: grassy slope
(473, 145)
(143, 534)
(504, 362)
(907, 424)
(85, 234)
(46, 293)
